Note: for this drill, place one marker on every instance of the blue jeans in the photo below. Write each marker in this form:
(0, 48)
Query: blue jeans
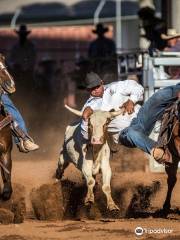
(137, 134)
(11, 109)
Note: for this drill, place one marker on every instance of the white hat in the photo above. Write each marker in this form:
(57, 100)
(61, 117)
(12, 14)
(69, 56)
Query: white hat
(171, 33)
(146, 3)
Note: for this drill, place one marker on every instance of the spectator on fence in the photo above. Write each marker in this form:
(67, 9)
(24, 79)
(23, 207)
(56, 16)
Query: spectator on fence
(23, 56)
(173, 45)
(173, 40)
(101, 46)
(102, 51)
(153, 26)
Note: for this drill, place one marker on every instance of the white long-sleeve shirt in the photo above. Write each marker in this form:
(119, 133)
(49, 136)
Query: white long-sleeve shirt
(115, 95)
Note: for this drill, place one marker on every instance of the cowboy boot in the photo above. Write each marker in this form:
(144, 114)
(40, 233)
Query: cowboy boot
(26, 143)
(162, 156)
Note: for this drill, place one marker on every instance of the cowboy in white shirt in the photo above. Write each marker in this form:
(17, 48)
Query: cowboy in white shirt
(115, 95)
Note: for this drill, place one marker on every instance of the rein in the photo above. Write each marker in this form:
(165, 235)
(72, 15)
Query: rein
(6, 121)
(4, 168)
(168, 140)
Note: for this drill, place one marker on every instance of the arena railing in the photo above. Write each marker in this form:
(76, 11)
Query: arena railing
(155, 76)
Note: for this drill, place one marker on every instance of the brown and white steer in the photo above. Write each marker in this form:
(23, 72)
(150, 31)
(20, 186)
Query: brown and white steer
(75, 150)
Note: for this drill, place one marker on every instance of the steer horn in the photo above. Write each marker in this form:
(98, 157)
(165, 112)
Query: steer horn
(76, 112)
(116, 113)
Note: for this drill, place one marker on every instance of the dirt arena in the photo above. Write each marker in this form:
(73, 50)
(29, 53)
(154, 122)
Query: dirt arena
(138, 193)
(83, 228)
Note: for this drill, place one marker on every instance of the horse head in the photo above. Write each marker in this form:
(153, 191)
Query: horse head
(6, 80)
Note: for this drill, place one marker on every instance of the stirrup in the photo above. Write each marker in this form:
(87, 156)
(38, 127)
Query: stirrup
(161, 160)
(21, 147)
(30, 138)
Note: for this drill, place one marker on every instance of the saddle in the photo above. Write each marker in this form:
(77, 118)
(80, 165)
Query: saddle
(167, 124)
(7, 117)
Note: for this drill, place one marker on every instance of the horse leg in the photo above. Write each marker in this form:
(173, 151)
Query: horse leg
(171, 181)
(6, 176)
(62, 165)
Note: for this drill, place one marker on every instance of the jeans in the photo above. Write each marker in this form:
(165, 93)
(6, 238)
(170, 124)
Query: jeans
(11, 109)
(137, 134)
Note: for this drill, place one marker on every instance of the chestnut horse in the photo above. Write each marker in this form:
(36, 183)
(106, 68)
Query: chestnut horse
(170, 137)
(6, 86)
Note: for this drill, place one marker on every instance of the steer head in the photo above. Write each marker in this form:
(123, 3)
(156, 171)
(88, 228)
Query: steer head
(97, 123)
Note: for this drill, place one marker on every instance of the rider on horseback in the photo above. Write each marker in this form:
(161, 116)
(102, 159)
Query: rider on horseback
(22, 139)
(137, 134)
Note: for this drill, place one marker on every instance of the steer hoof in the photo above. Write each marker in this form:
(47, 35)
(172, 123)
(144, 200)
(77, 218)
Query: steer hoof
(113, 207)
(89, 201)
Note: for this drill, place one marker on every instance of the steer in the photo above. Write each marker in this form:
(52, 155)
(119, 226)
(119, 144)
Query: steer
(75, 150)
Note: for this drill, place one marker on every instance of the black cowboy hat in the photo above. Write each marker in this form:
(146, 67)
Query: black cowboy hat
(100, 29)
(92, 80)
(22, 30)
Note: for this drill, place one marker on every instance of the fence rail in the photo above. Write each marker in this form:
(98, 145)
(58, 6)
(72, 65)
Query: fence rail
(154, 77)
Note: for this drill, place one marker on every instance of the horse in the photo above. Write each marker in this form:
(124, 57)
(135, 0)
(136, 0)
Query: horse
(7, 85)
(169, 136)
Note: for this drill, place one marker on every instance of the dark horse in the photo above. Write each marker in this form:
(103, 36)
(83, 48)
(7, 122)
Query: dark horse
(170, 137)
(6, 85)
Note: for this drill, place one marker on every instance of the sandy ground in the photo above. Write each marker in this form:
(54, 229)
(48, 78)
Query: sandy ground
(94, 230)
(35, 169)
(32, 171)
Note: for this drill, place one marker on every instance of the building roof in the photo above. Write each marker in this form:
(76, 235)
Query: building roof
(43, 11)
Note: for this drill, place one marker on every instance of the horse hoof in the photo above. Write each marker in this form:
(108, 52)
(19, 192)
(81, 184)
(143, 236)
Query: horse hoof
(161, 213)
(115, 210)
(88, 203)
(114, 213)
(6, 195)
